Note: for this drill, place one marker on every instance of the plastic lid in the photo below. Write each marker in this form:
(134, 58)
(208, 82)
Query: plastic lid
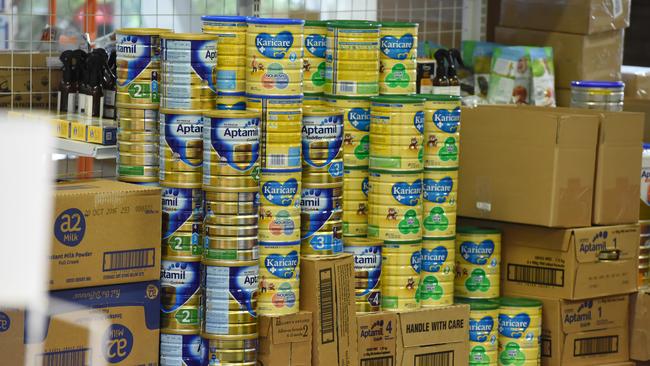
(478, 304)
(646, 146)
(520, 302)
(353, 24)
(285, 21)
(477, 230)
(316, 23)
(440, 97)
(224, 18)
(397, 99)
(597, 84)
(398, 24)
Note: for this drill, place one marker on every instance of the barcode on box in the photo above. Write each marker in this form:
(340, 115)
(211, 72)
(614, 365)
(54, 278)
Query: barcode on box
(595, 346)
(377, 361)
(326, 306)
(546, 347)
(445, 358)
(129, 259)
(536, 275)
(77, 357)
(278, 160)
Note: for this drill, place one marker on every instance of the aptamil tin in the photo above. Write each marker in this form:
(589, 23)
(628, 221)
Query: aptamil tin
(356, 124)
(231, 102)
(181, 206)
(322, 136)
(592, 94)
(274, 52)
(230, 297)
(313, 100)
(478, 258)
(189, 54)
(180, 179)
(231, 31)
(231, 350)
(367, 272)
(230, 248)
(437, 274)
(181, 349)
(400, 277)
(483, 330)
(313, 64)
(441, 130)
(439, 193)
(279, 278)
(321, 213)
(146, 137)
(520, 329)
(182, 131)
(398, 50)
(142, 120)
(188, 103)
(180, 282)
(352, 55)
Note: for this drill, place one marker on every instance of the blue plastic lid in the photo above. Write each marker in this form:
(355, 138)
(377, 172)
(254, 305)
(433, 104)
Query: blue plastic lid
(224, 18)
(646, 146)
(288, 21)
(597, 84)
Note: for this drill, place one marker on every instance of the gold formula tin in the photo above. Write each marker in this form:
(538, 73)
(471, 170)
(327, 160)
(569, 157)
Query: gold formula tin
(483, 330)
(138, 159)
(230, 248)
(279, 278)
(388, 188)
(439, 194)
(213, 219)
(264, 103)
(442, 113)
(137, 124)
(137, 147)
(137, 174)
(180, 179)
(180, 283)
(231, 102)
(519, 330)
(244, 183)
(231, 31)
(441, 150)
(231, 196)
(183, 243)
(367, 272)
(231, 208)
(400, 276)
(219, 349)
(395, 223)
(187, 103)
(179, 165)
(239, 231)
(314, 65)
(397, 115)
(398, 50)
(326, 239)
(437, 274)
(478, 257)
(313, 100)
(184, 349)
(145, 137)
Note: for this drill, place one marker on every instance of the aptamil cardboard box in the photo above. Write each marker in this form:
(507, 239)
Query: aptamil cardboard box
(377, 338)
(104, 232)
(285, 340)
(640, 325)
(124, 320)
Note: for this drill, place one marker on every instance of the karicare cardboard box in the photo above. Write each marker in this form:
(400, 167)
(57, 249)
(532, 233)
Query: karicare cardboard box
(285, 340)
(327, 290)
(104, 232)
(124, 320)
(528, 165)
(569, 16)
(377, 338)
(637, 82)
(640, 325)
(576, 57)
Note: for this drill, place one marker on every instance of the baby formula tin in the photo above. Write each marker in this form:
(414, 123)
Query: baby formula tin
(478, 258)
(223, 350)
(367, 272)
(280, 206)
(188, 54)
(356, 124)
(279, 278)
(400, 277)
(483, 330)
(315, 38)
(230, 299)
(441, 130)
(322, 138)
(274, 53)
(321, 213)
(181, 349)
(398, 51)
(313, 100)
(592, 94)
(439, 192)
(352, 54)
(520, 328)
(137, 119)
(231, 31)
(437, 275)
(181, 131)
(182, 209)
(235, 247)
(231, 102)
(355, 201)
(180, 282)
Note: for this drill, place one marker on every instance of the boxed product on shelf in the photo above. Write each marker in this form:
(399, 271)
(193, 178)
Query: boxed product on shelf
(640, 325)
(123, 319)
(104, 232)
(327, 290)
(94, 130)
(637, 82)
(376, 338)
(576, 57)
(580, 17)
(29, 79)
(285, 340)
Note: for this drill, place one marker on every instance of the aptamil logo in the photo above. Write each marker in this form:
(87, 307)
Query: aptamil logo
(407, 194)
(172, 274)
(70, 227)
(367, 259)
(480, 329)
(397, 48)
(241, 132)
(513, 327)
(320, 131)
(128, 45)
(5, 322)
(582, 314)
(375, 330)
(477, 253)
(316, 44)
(275, 47)
(280, 194)
(210, 54)
(189, 128)
(250, 280)
(447, 121)
(359, 118)
(119, 342)
(598, 243)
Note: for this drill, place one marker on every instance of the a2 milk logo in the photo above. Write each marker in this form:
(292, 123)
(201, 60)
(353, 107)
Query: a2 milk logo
(598, 243)
(582, 314)
(118, 341)
(70, 227)
(397, 48)
(316, 45)
(274, 47)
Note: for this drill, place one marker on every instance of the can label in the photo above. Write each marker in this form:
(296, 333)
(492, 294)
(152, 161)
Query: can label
(440, 194)
(477, 271)
(483, 329)
(401, 276)
(179, 278)
(444, 120)
(367, 268)
(233, 140)
(321, 133)
(224, 285)
(279, 279)
(181, 349)
(278, 193)
(180, 133)
(314, 61)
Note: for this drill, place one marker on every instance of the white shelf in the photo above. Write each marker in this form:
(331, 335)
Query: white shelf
(86, 149)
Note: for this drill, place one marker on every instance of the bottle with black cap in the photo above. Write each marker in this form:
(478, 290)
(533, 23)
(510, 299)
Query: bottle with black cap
(440, 81)
(79, 67)
(68, 85)
(90, 97)
(452, 76)
(109, 80)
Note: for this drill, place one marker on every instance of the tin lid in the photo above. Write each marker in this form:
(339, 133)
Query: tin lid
(440, 97)
(405, 99)
(400, 242)
(228, 94)
(274, 96)
(175, 258)
(190, 36)
(440, 169)
(197, 112)
(520, 302)
(353, 24)
(280, 21)
(143, 31)
(398, 24)
(382, 171)
(476, 230)
(445, 238)
(224, 18)
(222, 263)
(315, 111)
(316, 23)
(216, 113)
(597, 84)
(478, 304)
(361, 242)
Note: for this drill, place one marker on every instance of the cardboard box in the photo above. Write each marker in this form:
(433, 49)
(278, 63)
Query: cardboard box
(29, 79)
(377, 338)
(564, 263)
(528, 165)
(327, 290)
(563, 97)
(126, 318)
(569, 16)
(576, 57)
(640, 325)
(637, 82)
(641, 106)
(285, 340)
(104, 232)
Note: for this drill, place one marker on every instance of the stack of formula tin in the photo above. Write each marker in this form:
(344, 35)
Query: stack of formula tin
(231, 59)
(137, 101)
(313, 64)
(274, 53)
(230, 253)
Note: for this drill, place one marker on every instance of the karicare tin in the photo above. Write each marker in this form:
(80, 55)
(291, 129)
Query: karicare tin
(355, 183)
(356, 124)
(231, 290)
(400, 277)
(315, 46)
(389, 188)
(181, 349)
(437, 274)
(231, 102)
(439, 193)
(520, 328)
(398, 51)
(313, 100)
(483, 330)
(180, 281)
(231, 31)
(279, 278)
(395, 222)
(367, 272)
(397, 114)
(442, 113)
(263, 102)
(478, 257)
(280, 189)
(396, 152)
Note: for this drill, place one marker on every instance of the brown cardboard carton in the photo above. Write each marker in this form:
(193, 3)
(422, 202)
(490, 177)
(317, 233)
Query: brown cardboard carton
(568, 264)
(377, 338)
(528, 165)
(104, 232)
(285, 340)
(436, 336)
(640, 325)
(576, 57)
(563, 97)
(31, 73)
(641, 106)
(327, 290)
(637, 82)
(125, 316)
(569, 16)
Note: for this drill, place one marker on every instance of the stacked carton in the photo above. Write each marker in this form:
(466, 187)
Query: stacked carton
(637, 93)
(562, 189)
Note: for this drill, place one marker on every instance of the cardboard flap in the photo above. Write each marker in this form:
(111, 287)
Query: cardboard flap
(103, 186)
(424, 327)
(640, 326)
(528, 235)
(443, 354)
(594, 314)
(605, 278)
(594, 242)
(291, 328)
(596, 347)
